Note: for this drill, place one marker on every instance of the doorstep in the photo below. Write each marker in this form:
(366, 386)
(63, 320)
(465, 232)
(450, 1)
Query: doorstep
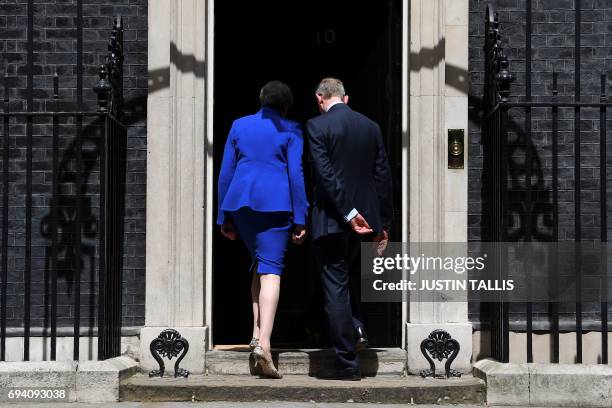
(379, 389)
(235, 360)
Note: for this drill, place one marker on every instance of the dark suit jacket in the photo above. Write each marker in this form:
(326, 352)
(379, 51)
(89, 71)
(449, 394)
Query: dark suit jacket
(351, 171)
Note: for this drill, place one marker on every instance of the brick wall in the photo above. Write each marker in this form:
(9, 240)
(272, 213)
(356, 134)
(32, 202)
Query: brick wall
(55, 46)
(552, 50)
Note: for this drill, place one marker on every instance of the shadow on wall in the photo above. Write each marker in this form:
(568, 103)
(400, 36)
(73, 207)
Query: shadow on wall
(541, 211)
(71, 259)
(67, 256)
(455, 77)
(185, 63)
(539, 218)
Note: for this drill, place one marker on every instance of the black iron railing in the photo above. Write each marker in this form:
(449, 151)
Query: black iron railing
(83, 155)
(497, 90)
(510, 199)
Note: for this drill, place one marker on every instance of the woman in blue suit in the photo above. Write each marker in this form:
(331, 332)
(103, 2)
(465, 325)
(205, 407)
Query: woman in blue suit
(262, 199)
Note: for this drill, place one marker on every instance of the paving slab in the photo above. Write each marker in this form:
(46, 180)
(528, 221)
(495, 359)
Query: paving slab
(98, 381)
(552, 385)
(42, 375)
(301, 388)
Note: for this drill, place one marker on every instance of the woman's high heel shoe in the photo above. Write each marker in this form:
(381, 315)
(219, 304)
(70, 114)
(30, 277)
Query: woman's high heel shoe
(267, 366)
(254, 343)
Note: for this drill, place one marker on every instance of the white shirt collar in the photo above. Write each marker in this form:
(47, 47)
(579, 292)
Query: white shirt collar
(332, 104)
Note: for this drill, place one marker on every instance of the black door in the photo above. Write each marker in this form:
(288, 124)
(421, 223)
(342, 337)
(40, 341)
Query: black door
(300, 43)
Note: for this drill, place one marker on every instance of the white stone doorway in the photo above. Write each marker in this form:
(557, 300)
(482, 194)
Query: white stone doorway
(181, 176)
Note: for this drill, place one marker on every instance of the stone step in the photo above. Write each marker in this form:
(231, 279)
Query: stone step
(302, 388)
(236, 361)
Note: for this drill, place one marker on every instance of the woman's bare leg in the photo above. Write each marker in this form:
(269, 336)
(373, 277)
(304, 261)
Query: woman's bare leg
(255, 300)
(268, 301)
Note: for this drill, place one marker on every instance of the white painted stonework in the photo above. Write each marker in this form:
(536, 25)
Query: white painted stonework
(179, 161)
(176, 187)
(438, 64)
(40, 348)
(550, 385)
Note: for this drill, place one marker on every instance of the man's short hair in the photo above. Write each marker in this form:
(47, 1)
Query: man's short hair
(276, 95)
(329, 87)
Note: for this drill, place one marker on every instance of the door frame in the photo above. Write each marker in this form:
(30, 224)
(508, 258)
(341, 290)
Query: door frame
(209, 169)
(209, 157)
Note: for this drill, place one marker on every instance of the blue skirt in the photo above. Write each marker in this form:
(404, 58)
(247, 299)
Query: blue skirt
(266, 236)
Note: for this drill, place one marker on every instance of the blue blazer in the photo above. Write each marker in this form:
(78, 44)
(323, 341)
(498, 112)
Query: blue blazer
(262, 167)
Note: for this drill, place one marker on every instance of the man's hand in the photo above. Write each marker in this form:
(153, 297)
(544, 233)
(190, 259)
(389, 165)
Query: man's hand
(360, 225)
(228, 231)
(299, 234)
(381, 241)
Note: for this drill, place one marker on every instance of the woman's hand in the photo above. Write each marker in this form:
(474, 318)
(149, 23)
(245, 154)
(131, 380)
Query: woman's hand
(228, 231)
(299, 234)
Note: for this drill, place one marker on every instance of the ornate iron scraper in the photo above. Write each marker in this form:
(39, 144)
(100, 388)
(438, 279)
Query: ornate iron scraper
(169, 344)
(440, 345)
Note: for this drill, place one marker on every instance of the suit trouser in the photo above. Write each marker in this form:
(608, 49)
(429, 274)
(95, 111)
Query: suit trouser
(336, 254)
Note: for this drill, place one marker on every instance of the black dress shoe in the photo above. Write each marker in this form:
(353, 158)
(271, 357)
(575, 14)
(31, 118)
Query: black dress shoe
(361, 339)
(346, 374)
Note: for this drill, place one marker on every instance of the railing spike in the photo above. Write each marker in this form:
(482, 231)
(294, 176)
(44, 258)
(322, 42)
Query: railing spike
(109, 86)
(504, 78)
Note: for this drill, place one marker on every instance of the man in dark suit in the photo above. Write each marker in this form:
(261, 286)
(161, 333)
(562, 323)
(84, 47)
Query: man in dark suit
(352, 202)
